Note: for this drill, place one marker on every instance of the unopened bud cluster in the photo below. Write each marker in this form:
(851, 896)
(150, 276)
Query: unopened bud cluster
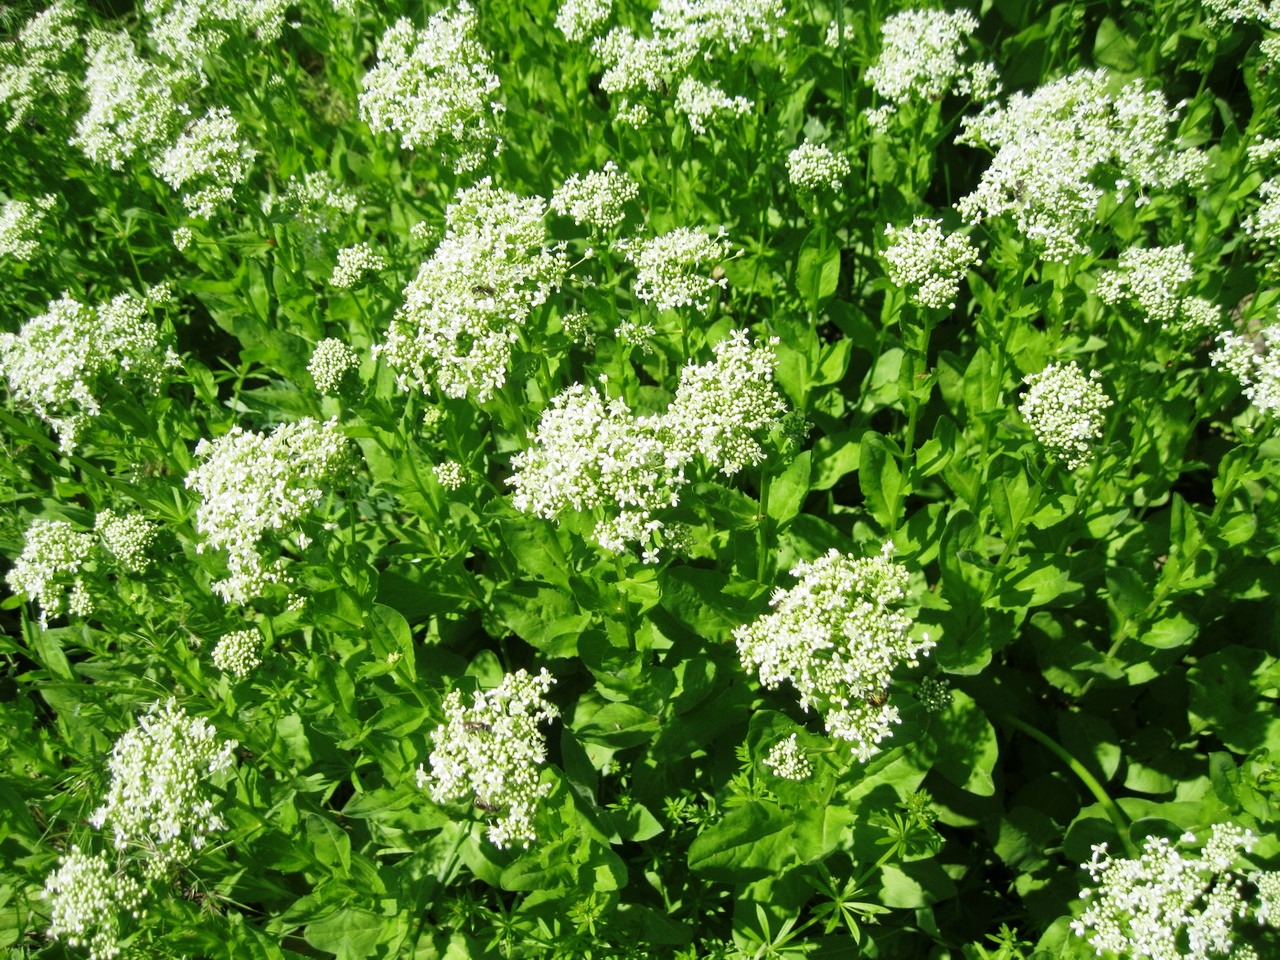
(786, 759)
(238, 653)
(333, 364)
(815, 167)
(491, 754)
(837, 636)
(87, 898)
(1064, 408)
(130, 538)
(1152, 278)
(354, 263)
(927, 262)
(48, 569)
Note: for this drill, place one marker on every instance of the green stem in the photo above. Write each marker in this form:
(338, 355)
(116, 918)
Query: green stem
(762, 527)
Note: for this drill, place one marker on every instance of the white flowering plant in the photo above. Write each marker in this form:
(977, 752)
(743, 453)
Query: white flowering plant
(602, 479)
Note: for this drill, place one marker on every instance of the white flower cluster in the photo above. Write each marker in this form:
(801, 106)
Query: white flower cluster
(31, 65)
(671, 268)
(63, 361)
(491, 752)
(928, 262)
(87, 898)
(1263, 225)
(210, 154)
(815, 167)
(435, 84)
(1237, 11)
(721, 407)
(190, 31)
(787, 760)
(317, 202)
(597, 199)
(253, 484)
(237, 653)
(579, 19)
(353, 263)
(921, 59)
(1051, 146)
(53, 556)
(463, 311)
(20, 225)
(592, 455)
(1164, 905)
(332, 363)
(133, 107)
(837, 637)
(1266, 908)
(130, 538)
(450, 474)
(1153, 277)
(1064, 409)
(699, 102)
(683, 31)
(1255, 362)
(157, 800)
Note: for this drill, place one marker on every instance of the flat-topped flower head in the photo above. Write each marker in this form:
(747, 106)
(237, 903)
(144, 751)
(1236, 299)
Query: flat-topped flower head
(787, 759)
(1255, 362)
(837, 636)
(463, 311)
(20, 224)
(188, 32)
(159, 800)
(597, 199)
(88, 897)
(316, 202)
(815, 168)
(1166, 905)
(699, 102)
(238, 653)
(579, 19)
(673, 269)
(922, 58)
(210, 156)
(33, 70)
(1064, 408)
(1152, 277)
(256, 487)
(354, 263)
(491, 753)
(434, 86)
(48, 569)
(64, 362)
(1055, 147)
(333, 365)
(1263, 225)
(129, 538)
(928, 262)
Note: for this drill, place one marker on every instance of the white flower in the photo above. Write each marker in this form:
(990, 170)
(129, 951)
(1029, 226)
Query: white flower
(353, 263)
(1153, 277)
(450, 474)
(928, 262)
(211, 154)
(578, 19)
(317, 202)
(48, 568)
(20, 224)
(252, 485)
(435, 84)
(332, 363)
(64, 361)
(1064, 409)
(157, 799)
(1263, 225)
(32, 73)
(736, 24)
(921, 59)
(814, 167)
(491, 754)
(1267, 905)
(1053, 144)
(837, 638)
(130, 538)
(463, 310)
(237, 652)
(700, 101)
(671, 269)
(190, 31)
(787, 760)
(1255, 364)
(597, 199)
(87, 899)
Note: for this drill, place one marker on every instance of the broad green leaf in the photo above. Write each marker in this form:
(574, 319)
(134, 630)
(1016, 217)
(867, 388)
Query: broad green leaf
(881, 480)
(350, 933)
(788, 491)
(750, 842)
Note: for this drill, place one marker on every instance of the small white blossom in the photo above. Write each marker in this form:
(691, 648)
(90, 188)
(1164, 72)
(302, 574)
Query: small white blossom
(1150, 907)
(1263, 225)
(837, 637)
(332, 363)
(48, 569)
(130, 538)
(1255, 362)
(1152, 277)
(579, 19)
(190, 31)
(353, 263)
(735, 24)
(63, 362)
(787, 760)
(20, 224)
(183, 237)
(928, 262)
(434, 85)
(700, 101)
(492, 752)
(450, 474)
(1267, 904)
(33, 72)
(157, 799)
(814, 167)
(1064, 409)
(596, 200)
(87, 899)
(252, 485)
(238, 652)
(211, 155)
(671, 269)
(921, 59)
(317, 202)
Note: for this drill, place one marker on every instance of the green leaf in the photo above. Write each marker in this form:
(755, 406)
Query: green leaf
(613, 724)
(817, 269)
(749, 843)
(967, 747)
(1176, 630)
(329, 843)
(349, 934)
(879, 477)
(788, 491)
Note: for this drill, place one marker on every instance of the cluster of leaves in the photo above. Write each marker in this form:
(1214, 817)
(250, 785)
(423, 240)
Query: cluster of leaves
(1105, 646)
